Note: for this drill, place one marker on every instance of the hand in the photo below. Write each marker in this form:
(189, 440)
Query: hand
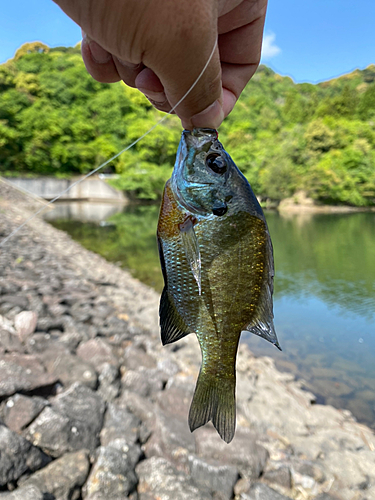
(161, 46)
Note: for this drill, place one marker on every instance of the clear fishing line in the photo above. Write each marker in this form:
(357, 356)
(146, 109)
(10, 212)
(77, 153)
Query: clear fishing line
(7, 238)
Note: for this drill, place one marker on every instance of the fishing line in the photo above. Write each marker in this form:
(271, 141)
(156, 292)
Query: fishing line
(2, 243)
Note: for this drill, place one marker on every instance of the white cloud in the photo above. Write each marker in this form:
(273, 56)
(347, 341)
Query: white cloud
(269, 48)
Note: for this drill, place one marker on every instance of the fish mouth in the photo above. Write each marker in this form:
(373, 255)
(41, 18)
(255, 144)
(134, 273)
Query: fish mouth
(198, 138)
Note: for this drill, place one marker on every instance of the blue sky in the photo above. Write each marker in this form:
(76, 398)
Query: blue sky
(309, 40)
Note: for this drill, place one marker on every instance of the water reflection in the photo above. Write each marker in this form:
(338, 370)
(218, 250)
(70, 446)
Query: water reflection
(324, 293)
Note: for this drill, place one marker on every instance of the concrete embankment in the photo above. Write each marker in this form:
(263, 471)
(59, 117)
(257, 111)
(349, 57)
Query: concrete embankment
(93, 407)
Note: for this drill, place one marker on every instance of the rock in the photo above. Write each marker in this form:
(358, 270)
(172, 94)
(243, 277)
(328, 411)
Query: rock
(141, 407)
(20, 410)
(143, 381)
(309, 469)
(278, 475)
(24, 493)
(260, 491)
(70, 369)
(25, 324)
(119, 423)
(17, 456)
(46, 324)
(97, 352)
(22, 373)
(52, 432)
(171, 438)
(136, 356)
(159, 479)
(213, 477)
(64, 477)
(85, 410)
(243, 452)
(325, 496)
(9, 342)
(72, 423)
(14, 300)
(112, 475)
(109, 382)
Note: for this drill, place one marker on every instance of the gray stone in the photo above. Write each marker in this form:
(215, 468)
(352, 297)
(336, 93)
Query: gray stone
(52, 432)
(109, 382)
(260, 491)
(25, 324)
(85, 410)
(141, 407)
(143, 381)
(159, 479)
(136, 356)
(23, 493)
(112, 475)
(9, 342)
(244, 452)
(17, 456)
(22, 373)
(70, 369)
(72, 423)
(119, 423)
(64, 477)
(14, 300)
(20, 410)
(97, 352)
(213, 476)
(325, 496)
(310, 469)
(279, 475)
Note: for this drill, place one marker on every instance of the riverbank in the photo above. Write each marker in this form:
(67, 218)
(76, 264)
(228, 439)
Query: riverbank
(94, 407)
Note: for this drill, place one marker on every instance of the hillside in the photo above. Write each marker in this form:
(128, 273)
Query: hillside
(56, 120)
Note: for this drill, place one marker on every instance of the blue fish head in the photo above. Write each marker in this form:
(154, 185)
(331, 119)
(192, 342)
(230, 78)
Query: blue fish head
(203, 175)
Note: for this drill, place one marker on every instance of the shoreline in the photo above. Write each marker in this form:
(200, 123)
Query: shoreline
(92, 313)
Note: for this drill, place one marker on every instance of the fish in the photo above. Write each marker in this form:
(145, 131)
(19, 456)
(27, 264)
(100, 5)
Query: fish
(217, 262)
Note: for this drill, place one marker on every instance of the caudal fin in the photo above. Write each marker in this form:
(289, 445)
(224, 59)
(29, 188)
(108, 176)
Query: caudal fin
(214, 399)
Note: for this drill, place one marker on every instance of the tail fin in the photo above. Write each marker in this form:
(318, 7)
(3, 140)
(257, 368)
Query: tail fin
(214, 399)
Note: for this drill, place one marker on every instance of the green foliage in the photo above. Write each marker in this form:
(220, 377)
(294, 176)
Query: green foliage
(56, 120)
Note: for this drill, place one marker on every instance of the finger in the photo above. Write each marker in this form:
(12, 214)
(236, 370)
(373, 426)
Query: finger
(244, 13)
(235, 78)
(128, 71)
(99, 63)
(190, 40)
(242, 45)
(150, 85)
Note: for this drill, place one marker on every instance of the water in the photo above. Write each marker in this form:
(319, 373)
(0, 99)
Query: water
(324, 293)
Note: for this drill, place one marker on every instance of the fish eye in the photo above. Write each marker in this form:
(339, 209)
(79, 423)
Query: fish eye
(216, 163)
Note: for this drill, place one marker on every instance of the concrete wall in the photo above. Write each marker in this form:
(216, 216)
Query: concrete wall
(48, 188)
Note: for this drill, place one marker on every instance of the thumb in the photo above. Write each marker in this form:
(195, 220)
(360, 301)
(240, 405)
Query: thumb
(178, 61)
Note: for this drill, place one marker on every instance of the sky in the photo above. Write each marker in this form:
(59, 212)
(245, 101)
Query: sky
(308, 40)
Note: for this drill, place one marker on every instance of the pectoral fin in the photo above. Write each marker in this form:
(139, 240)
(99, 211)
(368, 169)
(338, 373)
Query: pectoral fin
(191, 247)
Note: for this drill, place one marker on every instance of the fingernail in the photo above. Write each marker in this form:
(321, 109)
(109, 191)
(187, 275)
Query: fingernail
(158, 97)
(99, 55)
(211, 117)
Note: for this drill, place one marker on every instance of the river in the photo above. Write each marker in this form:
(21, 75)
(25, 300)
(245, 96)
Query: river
(324, 300)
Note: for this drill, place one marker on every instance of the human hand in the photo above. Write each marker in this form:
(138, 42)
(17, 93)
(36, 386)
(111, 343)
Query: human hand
(161, 46)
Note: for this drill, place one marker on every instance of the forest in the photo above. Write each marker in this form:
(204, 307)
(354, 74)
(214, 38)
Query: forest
(285, 137)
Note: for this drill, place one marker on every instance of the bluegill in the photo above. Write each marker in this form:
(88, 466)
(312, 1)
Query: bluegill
(217, 262)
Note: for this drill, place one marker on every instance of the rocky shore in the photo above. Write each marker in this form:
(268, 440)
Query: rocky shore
(93, 407)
